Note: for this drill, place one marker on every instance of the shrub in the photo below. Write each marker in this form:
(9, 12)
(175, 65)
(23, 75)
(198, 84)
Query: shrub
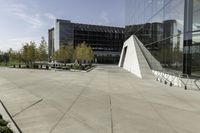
(75, 66)
(3, 126)
(5, 129)
(3, 122)
(87, 67)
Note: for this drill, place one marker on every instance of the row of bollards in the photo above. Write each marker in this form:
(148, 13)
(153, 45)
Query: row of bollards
(165, 77)
(170, 84)
(165, 82)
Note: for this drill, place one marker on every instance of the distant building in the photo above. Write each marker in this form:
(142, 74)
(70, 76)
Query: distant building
(105, 41)
(51, 43)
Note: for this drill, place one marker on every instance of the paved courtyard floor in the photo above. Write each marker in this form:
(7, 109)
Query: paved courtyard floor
(106, 100)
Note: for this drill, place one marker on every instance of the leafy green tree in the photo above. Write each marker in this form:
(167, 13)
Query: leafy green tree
(25, 53)
(62, 54)
(83, 52)
(6, 58)
(80, 52)
(42, 51)
(18, 58)
(89, 54)
(32, 52)
(1, 56)
(11, 55)
(70, 52)
(29, 53)
(56, 55)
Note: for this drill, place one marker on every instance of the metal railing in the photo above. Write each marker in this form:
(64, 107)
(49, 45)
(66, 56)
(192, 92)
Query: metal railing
(182, 77)
(196, 81)
(186, 81)
(166, 77)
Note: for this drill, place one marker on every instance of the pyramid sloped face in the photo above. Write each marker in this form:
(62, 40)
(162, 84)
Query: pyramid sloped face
(153, 63)
(133, 60)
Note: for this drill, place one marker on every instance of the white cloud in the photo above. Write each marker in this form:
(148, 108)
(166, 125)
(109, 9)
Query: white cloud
(38, 24)
(28, 15)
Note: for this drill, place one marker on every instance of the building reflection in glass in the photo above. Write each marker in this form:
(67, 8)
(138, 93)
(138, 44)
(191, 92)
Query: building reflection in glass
(160, 26)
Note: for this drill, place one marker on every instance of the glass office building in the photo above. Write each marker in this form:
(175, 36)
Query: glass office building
(105, 41)
(169, 29)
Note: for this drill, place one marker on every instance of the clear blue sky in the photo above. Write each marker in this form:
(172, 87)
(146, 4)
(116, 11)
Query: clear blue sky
(25, 20)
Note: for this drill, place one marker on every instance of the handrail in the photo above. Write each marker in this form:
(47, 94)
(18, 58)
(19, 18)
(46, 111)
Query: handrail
(165, 76)
(195, 82)
(169, 77)
(174, 77)
(158, 77)
(184, 83)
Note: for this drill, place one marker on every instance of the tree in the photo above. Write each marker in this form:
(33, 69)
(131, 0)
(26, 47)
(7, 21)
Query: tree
(56, 55)
(89, 54)
(70, 52)
(18, 58)
(29, 53)
(83, 52)
(62, 54)
(25, 53)
(11, 55)
(32, 52)
(6, 58)
(1, 56)
(42, 51)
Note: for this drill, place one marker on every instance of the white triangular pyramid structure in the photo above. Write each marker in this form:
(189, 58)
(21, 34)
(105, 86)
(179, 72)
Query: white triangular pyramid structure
(133, 60)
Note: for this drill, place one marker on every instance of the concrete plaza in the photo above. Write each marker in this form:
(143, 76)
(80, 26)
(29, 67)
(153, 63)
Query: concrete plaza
(106, 100)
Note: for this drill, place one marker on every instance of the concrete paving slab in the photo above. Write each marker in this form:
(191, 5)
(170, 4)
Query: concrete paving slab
(106, 100)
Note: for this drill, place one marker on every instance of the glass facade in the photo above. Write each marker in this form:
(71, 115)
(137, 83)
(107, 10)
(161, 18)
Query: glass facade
(66, 32)
(105, 41)
(195, 48)
(160, 26)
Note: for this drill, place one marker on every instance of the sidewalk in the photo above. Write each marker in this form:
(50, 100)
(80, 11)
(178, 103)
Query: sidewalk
(106, 100)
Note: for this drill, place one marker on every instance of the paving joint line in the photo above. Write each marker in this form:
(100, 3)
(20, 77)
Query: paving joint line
(81, 121)
(27, 107)
(111, 115)
(69, 108)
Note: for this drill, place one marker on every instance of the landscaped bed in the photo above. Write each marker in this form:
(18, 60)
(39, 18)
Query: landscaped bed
(57, 66)
(4, 126)
(73, 67)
